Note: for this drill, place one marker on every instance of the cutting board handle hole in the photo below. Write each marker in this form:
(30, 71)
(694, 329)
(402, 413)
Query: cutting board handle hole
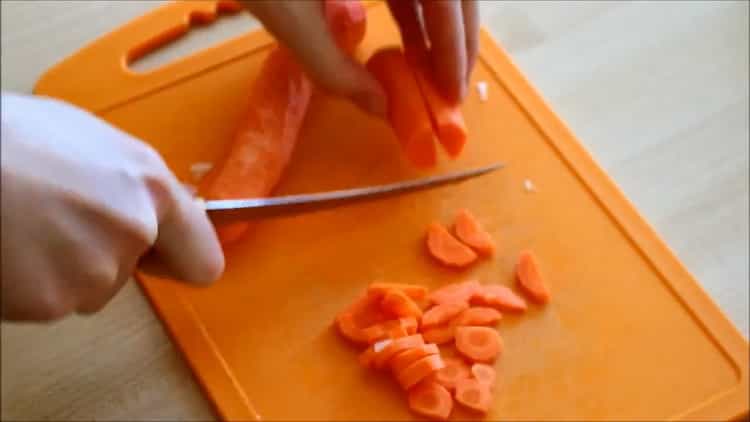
(177, 43)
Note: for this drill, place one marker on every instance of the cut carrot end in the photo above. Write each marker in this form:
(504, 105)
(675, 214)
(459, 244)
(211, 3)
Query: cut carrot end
(530, 278)
(480, 344)
(469, 231)
(473, 394)
(431, 400)
(447, 249)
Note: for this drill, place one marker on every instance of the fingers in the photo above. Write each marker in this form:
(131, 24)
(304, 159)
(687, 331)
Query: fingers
(470, 9)
(301, 27)
(406, 13)
(443, 21)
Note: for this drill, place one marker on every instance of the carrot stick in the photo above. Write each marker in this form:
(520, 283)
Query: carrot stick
(406, 108)
(414, 291)
(484, 373)
(431, 400)
(478, 315)
(473, 394)
(480, 344)
(347, 20)
(419, 370)
(443, 313)
(440, 334)
(455, 292)
(406, 358)
(444, 247)
(396, 346)
(455, 369)
(398, 304)
(469, 231)
(500, 297)
(530, 278)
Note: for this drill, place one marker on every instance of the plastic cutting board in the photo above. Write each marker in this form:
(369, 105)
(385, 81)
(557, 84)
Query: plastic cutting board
(629, 334)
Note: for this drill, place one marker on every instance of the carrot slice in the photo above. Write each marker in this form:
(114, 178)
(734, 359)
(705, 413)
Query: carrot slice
(484, 373)
(394, 347)
(431, 400)
(455, 369)
(390, 329)
(367, 358)
(478, 315)
(455, 292)
(469, 231)
(406, 108)
(406, 358)
(347, 20)
(397, 303)
(444, 247)
(440, 334)
(348, 328)
(473, 394)
(498, 296)
(530, 278)
(480, 344)
(442, 313)
(414, 291)
(419, 370)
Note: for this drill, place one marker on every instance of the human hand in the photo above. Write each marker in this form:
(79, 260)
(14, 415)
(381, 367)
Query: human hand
(449, 28)
(81, 203)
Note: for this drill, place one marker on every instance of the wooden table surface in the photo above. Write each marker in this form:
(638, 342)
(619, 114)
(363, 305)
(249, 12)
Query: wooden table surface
(657, 91)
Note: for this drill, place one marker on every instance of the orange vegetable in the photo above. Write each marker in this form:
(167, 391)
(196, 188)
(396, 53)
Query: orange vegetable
(442, 313)
(469, 231)
(348, 328)
(478, 315)
(444, 247)
(367, 358)
(347, 20)
(473, 394)
(498, 296)
(480, 344)
(406, 358)
(431, 400)
(383, 357)
(530, 278)
(414, 291)
(455, 292)
(390, 329)
(406, 109)
(398, 304)
(484, 373)
(455, 369)
(419, 370)
(439, 335)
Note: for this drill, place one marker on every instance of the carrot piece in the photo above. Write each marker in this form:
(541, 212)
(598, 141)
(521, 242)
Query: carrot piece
(397, 303)
(455, 292)
(444, 247)
(480, 344)
(397, 331)
(390, 329)
(478, 315)
(484, 373)
(473, 394)
(469, 231)
(419, 370)
(394, 347)
(406, 358)
(530, 278)
(442, 313)
(498, 296)
(406, 109)
(347, 20)
(348, 328)
(455, 369)
(440, 334)
(414, 291)
(431, 400)
(367, 358)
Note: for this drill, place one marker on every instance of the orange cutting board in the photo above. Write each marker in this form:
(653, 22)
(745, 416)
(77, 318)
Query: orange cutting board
(628, 335)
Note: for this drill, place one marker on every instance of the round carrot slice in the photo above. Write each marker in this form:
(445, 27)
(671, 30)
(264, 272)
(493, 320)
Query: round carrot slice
(484, 373)
(406, 358)
(396, 346)
(480, 344)
(419, 370)
(455, 369)
(431, 400)
(447, 249)
(443, 313)
(530, 278)
(469, 231)
(399, 304)
(473, 394)
(439, 335)
(478, 315)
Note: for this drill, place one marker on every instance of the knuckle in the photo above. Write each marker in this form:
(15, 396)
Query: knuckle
(52, 305)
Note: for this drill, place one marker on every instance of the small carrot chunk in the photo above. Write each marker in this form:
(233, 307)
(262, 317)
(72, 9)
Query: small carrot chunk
(500, 297)
(455, 292)
(478, 315)
(530, 278)
(348, 328)
(367, 358)
(431, 400)
(396, 346)
(414, 291)
(419, 370)
(455, 369)
(473, 394)
(484, 373)
(480, 344)
(397, 303)
(444, 247)
(469, 231)
(390, 329)
(442, 313)
(407, 357)
(439, 335)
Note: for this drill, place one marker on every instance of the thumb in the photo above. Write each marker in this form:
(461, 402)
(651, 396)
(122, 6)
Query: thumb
(301, 27)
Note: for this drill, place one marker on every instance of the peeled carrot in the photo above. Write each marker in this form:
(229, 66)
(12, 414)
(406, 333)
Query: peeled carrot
(397, 303)
(498, 296)
(442, 313)
(431, 400)
(473, 394)
(444, 247)
(530, 278)
(484, 373)
(394, 347)
(480, 344)
(469, 231)
(440, 334)
(455, 369)
(407, 357)
(419, 370)
(347, 20)
(455, 292)
(406, 109)
(414, 291)
(478, 315)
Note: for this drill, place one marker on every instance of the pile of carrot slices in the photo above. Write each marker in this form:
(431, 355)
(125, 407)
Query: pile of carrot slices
(439, 346)
(464, 246)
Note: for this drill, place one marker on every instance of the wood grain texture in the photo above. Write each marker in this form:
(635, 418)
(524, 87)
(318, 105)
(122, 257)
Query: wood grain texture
(657, 91)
